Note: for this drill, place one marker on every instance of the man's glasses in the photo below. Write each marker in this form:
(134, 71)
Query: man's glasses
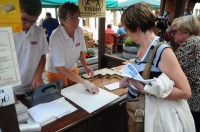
(28, 21)
(174, 31)
(73, 18)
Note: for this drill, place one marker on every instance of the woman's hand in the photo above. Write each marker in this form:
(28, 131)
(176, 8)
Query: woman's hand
(91, 87)
(122, 83)
(89, 71)
(138, 85)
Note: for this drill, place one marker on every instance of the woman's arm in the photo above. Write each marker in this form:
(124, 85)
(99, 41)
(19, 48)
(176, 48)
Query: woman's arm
(87, 69)
(170, 66)
(69, 75)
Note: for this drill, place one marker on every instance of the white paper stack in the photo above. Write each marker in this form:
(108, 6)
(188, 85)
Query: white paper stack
(30, 127)
(22, 112)
(48, 112)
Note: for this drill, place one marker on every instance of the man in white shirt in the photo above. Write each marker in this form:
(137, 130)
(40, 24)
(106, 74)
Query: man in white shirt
(31, 47)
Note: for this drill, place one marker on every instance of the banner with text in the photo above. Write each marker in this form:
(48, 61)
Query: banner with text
(92, 8)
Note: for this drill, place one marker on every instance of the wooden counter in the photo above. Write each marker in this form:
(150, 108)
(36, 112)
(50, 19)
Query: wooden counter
(110, 118)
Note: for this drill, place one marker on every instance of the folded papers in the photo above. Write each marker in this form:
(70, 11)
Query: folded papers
(130, 71)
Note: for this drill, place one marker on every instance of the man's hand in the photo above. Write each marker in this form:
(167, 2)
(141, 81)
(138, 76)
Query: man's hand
(37, 81)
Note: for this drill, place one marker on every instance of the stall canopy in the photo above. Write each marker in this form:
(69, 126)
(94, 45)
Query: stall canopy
(110, 4)
(125, 3)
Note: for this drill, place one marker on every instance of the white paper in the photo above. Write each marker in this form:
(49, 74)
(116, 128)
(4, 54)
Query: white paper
(89, 102)
(47, 112)
(130, 71)
(31, 127)
(9, 69)
(112, 86)
(20, 108)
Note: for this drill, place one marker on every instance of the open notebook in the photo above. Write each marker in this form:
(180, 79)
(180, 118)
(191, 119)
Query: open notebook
(47, 112)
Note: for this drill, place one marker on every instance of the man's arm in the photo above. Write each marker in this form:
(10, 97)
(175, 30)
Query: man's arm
(37, 80)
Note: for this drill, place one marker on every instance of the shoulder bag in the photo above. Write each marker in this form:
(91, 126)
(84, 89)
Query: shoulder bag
(135, 107)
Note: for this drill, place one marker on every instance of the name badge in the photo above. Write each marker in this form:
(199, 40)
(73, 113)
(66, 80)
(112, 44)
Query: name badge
(78, 44)
(33, 42)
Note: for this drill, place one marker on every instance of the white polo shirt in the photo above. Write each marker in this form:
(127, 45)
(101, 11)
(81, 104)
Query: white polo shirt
(64, 51)
(29, 47)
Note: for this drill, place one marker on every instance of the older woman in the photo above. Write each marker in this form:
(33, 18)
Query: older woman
(139, 23)
(186, 31)
(67, 45)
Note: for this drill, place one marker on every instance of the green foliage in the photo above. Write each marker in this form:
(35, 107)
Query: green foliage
(129, 42)
(89, 53)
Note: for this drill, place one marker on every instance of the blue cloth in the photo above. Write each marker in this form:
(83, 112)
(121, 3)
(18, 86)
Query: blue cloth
(50, 24)
(121, 31)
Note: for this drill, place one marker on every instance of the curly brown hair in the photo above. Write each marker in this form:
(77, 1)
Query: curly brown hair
(67, 8)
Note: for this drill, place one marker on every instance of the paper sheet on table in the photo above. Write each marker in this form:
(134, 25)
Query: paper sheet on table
(130, 71)
(112, 86)
(89, 102)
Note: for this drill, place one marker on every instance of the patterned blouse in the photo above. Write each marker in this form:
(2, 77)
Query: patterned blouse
(188, 55)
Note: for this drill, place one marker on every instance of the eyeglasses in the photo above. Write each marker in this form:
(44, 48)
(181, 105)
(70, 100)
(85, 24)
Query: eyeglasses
(73, 18)
(28, 21)
(174, 31)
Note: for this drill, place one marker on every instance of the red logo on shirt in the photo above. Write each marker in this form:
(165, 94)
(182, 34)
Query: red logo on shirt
(78, 44)
(33, 42)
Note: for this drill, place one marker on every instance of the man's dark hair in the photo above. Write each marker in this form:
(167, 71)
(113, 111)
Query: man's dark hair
(31, 7)
(48, 14)
(109, 26)
(192, 1)
(67, 8)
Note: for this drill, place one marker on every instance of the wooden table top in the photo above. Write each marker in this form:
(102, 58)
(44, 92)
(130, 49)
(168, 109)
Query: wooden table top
(80, 115)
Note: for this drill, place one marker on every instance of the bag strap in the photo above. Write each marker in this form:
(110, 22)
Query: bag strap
(139, 112)
(147, 70)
